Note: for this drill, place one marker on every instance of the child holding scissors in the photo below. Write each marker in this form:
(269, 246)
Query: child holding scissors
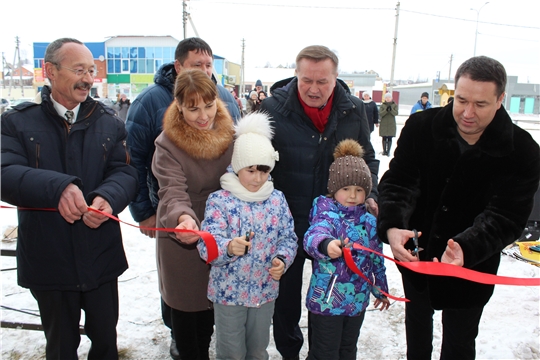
(254, 232)
(337, 298)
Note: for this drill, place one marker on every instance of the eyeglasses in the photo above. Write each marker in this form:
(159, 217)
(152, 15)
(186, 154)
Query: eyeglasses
(81, 72)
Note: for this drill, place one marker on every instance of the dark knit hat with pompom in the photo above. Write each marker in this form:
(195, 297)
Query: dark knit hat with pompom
(349, 168)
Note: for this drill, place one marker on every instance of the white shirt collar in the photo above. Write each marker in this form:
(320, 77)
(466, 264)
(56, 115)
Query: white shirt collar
(61, 109)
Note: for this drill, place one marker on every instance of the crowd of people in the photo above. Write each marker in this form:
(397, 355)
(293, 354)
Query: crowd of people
(292, 179)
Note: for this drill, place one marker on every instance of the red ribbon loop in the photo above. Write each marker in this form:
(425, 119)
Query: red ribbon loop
(208, 239)
(444, 269)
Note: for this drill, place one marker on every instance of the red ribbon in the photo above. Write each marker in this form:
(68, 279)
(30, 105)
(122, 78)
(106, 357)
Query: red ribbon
(444, 269)
(350, 263)
(208, 239)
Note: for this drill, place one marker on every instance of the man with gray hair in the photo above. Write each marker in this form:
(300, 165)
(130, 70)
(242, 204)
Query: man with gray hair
(68, 153)
(312, 113)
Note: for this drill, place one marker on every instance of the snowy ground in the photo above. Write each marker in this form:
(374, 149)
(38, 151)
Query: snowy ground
(510, 326)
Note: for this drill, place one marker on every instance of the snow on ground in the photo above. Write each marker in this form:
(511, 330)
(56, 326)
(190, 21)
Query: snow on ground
(510, 327)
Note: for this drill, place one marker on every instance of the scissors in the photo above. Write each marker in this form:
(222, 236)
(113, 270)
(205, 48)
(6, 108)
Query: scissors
(417, 249)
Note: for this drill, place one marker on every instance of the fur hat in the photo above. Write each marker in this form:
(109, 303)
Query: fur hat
(253, 142)
(349, 168)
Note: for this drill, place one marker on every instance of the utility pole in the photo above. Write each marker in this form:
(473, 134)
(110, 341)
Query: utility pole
(242, 84)
(20, 65)
(450, 68)
(184, 17)
(3, 71)
(394, 51)
(13, 67)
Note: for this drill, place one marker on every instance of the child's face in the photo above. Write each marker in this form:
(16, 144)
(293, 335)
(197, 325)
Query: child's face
(252, 179)
(350, 195)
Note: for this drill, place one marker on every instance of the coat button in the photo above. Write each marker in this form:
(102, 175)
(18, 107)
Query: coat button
(444, 208)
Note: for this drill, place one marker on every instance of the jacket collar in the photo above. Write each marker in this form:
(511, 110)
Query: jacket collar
(496, 140)
(287, 92)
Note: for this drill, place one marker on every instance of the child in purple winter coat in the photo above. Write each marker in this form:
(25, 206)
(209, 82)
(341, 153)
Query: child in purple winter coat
(337, 298)
(254, 232)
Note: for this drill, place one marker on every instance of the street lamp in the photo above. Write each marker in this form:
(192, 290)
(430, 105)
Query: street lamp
(477, 16)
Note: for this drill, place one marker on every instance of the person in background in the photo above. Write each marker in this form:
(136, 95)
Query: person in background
(337, 298)
(192, 153)
(422, 104)
(253, 102)
(312, 112)
(260, 97)
(372, 112)
(144, 122)
(254, 231)
(68, 153)
(258, 86)
(464, 176)
(387, 126)
(123, 106)
(238, 101)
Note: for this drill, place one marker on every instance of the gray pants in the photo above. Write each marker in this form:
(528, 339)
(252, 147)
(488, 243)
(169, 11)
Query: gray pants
(242, 333)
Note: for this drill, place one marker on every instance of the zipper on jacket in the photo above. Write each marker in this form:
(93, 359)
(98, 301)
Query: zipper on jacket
(128, 158)
(320, 139)
(105, 152)
(38, 149)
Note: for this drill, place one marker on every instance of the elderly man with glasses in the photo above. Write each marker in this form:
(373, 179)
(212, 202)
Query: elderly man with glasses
(68, 153)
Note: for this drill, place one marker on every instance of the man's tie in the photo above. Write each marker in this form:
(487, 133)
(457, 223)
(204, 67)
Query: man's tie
(69, 116)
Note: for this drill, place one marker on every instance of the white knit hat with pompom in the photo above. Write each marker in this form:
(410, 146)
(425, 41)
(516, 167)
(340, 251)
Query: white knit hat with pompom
(253, 144)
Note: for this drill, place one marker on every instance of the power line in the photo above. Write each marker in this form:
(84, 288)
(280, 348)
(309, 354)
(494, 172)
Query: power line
(367, 8)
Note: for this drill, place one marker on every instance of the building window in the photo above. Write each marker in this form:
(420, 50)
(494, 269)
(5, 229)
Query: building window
(137, 60)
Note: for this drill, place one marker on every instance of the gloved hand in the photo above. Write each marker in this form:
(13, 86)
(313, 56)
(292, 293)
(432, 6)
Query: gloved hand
(389, 108)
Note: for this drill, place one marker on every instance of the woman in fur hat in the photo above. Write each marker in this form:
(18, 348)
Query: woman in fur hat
(337, 298)
(192, 152)
(254, 231)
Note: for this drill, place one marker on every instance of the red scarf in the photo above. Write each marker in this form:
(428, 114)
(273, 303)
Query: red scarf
(319, 116)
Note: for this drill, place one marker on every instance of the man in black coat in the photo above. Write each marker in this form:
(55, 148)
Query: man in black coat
(464, 176)
(68, 153)
(312, 113)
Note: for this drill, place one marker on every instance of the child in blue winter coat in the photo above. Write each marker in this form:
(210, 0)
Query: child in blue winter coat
(337, 298)
(254, 232)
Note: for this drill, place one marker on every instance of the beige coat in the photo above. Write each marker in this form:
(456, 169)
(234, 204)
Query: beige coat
(187, 164)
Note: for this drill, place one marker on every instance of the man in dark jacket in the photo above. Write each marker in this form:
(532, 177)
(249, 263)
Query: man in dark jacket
(372, 111)
(144, 125)
(312, 113)
(68, 153)
(464, 176)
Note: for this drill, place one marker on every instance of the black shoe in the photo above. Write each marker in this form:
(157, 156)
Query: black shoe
(174, 351)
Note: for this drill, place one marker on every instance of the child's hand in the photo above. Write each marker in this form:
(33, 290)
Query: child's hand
(237, 246)
(334, 248)
(384, 302)
(277, 269)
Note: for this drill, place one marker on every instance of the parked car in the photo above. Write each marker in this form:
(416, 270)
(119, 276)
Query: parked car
(19, 101)
(4, 104)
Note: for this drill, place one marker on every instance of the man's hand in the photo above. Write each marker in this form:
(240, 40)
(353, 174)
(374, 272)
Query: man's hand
(72, 204)
(452, 255)
(186, 222)
(277, 269)
(397, 238)
(93, 219)
(149, 223)
(372, 207)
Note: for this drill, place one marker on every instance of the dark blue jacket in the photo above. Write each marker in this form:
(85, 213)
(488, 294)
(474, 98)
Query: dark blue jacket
(305, 154)
(143, 124)
(40, 158)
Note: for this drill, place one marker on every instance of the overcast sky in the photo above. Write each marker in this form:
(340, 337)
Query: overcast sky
(361, 32)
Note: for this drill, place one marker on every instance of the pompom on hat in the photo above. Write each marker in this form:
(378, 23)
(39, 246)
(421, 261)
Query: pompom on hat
(253, 144)
(349, 168)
